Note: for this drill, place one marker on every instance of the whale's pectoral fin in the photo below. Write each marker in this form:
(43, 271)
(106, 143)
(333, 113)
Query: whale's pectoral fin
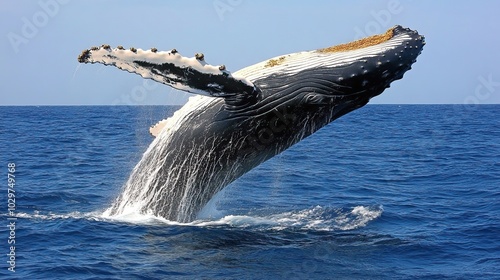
(193, 74)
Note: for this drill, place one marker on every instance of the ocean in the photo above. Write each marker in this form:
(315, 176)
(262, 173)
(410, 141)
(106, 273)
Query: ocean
(385, 192)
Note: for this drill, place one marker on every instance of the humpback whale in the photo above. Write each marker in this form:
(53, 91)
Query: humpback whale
(238, 120)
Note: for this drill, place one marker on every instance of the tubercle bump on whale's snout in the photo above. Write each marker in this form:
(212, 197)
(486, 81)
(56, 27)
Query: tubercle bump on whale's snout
(407, 53)
(417, 43)
(398, 29)
(413, 46)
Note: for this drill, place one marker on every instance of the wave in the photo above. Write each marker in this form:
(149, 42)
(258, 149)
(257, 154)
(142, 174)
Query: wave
(316, 219)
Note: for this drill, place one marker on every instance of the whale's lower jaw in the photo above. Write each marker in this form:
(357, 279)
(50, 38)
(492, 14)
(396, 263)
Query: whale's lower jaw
(247, 117)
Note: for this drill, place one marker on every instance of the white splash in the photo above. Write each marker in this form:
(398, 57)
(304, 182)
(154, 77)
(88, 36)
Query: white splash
(358, 217)
(316, 219)
(36, 215)
(135, 195)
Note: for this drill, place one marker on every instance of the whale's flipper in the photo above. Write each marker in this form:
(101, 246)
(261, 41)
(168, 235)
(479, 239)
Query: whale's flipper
(191, 74)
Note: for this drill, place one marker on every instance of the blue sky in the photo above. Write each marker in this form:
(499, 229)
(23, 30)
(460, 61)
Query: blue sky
(41, 40)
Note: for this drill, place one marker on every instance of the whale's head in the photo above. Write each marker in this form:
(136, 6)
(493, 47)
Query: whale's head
(338, 79)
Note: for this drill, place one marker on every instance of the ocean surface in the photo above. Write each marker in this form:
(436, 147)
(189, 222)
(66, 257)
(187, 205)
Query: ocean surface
(385, 192)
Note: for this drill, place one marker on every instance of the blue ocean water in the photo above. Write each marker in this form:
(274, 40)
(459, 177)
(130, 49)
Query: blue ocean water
(385, 192)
